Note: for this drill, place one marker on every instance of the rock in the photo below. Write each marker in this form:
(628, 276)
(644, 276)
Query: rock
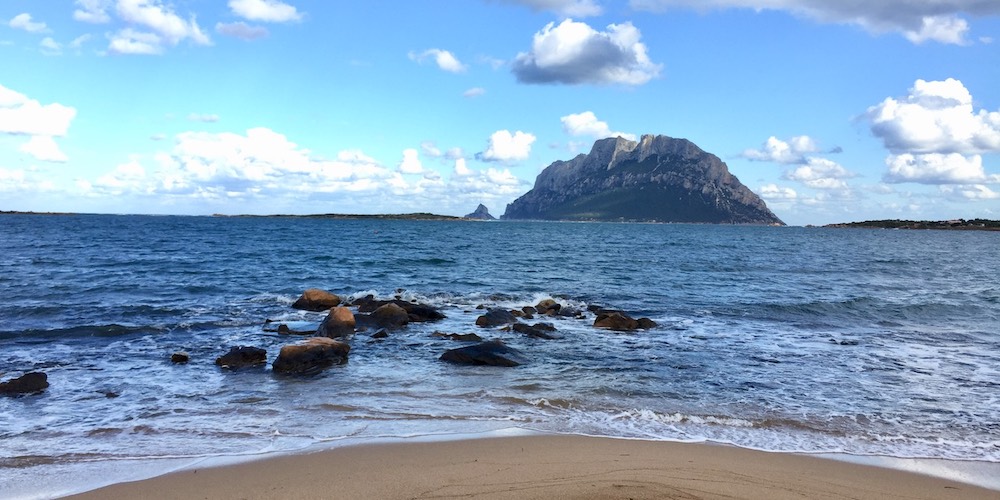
(481, 213)
(242, 357)
(418, 313)
(658, 178)
(493, 353)
(390, 316)
(180, 357)
(461, 337)
(317, 300)
(310, 356)
(538, 330)
(548, 307)
(29, 383)
(339, 322)
(529, 311)
(496, 317)
(620, 322)
(381, 334)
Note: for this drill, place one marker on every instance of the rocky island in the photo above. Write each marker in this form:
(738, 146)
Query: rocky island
(657, 179)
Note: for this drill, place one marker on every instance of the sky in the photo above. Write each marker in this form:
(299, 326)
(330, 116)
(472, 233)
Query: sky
(830, 110)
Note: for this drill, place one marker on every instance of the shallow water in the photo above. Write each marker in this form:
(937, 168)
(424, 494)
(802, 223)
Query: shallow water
(867, 342)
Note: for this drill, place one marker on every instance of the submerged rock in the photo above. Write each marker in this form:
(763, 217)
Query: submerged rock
(180, 357)
(461, 337)
(29, 383)
(496, 317)
(538, 330)
(310, 356)
(620, 322)
(317, 300)
(339, 322)
(492, 353)
(242, 357)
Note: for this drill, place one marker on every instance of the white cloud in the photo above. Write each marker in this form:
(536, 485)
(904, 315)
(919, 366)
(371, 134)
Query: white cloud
(50, 47)
(970, 192)
(125, 178)
(44, 148)
(461, 169)
(474, 92)
(241, 30)
(22, 181)
(92, 11)
(775, 150)
(773, 192)
(444, 59)
(203, 117)
(410, 164)
(936, 117)
(937, 168)
(574, 53)
(167, 28)
(566, 8)
(820, 173)
(507, 146)
(20, 115)
(917, 20)
(272, 11)
(23, 22)
(587, 124)
(78, 42)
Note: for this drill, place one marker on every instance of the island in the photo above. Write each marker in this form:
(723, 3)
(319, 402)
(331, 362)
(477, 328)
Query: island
(953, 225)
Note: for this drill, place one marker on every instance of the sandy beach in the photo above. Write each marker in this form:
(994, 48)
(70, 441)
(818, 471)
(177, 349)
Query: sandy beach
(560, 467)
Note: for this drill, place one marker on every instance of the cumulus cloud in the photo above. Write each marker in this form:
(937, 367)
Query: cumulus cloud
(44, 148)
(444, 59)
(970, 192)
(775, 150)
(92, 11)
(461, 169)
(410, 164)
(566, 8)
(166, 28)
(574, 53)
(587, 124)
(22, 116)
(919, 21)
(474, 92)
(23, 22)
(775, 193)
(507, 146)
(272, 11)
(935, 117)
(937, 168)
(820, 173)
(241, 30)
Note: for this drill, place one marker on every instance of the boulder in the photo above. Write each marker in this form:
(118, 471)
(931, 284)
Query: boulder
(29, 383)
(310, 356)
(418, 313)
(242, 357)
(492, 353)
(461, 337)
(548, 307)
(339, 322)
(496, 317)
(620, 322)
(538, 330)
(390, 316)
(317, 300)
(180, 357)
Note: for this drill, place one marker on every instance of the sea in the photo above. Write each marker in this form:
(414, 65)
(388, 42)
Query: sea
(880, 346)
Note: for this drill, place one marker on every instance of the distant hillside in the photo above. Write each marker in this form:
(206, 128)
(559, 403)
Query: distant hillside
(956, 224)
(659, 179)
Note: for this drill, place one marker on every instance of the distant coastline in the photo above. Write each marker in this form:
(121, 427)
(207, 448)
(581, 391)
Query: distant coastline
(413, 216)
(952, 225)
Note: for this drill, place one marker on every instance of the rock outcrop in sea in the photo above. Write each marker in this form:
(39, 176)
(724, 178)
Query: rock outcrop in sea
(481, 213)
(658, 178)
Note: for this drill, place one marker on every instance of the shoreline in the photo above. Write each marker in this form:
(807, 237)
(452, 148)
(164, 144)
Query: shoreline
(521, 464)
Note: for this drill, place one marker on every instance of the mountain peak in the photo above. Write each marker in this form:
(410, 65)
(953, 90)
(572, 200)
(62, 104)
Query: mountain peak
(481, 213)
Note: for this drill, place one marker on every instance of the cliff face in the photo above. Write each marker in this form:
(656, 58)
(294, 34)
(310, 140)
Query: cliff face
(658, 179)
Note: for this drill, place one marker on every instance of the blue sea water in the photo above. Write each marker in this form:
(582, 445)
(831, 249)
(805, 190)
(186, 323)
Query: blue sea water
(865, 342)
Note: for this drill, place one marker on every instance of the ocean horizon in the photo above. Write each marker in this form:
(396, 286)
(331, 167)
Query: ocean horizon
(874, 344)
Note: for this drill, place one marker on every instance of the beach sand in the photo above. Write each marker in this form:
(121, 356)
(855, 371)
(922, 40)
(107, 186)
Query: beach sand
(551, 467)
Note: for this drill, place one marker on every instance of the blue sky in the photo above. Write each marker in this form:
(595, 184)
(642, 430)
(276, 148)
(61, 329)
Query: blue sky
(831, 110)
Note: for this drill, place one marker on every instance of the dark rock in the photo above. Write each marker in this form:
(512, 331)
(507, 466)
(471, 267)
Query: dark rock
(390, 316)
(242, 357)
(620, 322)
(461, 337)
(481, 213)
(496, 317)
(529, 311)
(180, 357)
(29, 383)
(418, 313)
(646, 324)
(310, 356)
(339, 322)
(548, 307)
(658, 178)
(317, 300)
(381, 334)
(538, 330)
(493, 353)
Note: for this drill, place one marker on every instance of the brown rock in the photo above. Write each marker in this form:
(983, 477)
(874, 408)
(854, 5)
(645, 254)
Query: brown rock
(310, 356)
(315, 299)
(390, 316)
(29, 383)
(180, 357)
(339, 322)
(616, 321)
(548, 307)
